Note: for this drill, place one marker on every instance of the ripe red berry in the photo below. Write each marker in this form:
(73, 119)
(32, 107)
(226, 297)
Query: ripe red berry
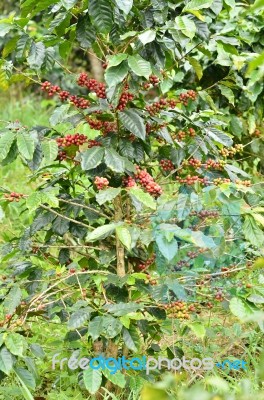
(101, 183)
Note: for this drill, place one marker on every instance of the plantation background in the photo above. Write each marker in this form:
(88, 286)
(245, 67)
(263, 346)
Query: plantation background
(167, 279)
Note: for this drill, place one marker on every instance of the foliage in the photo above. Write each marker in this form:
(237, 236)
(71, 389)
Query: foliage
(147, 212)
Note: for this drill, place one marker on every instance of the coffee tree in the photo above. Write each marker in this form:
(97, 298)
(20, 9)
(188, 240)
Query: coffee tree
(147, 212)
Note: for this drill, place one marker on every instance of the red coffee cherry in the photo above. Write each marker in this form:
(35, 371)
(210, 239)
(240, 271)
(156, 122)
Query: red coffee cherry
(129, 182)
(101, 183)
(167, 165)
(146, 180)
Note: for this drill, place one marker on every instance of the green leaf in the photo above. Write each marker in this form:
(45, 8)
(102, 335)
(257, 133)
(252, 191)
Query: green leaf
(143, 197)
(92, 380)
(238, 308)
(91, 158)
(139, 66)
(95, 327)
(177, 288)
(16, 344)
(101, 233)
(22, 46)
(259, 218)
(256, 298)
(258, 5)
(147, 36)
(117, 59)
(60, 226)
(115, 75)
(107, 195)
(117, 378)
(26, 145)
(133, 123)
(12, 300)
(121, 309)
(34, 200)
(68, 4)
(37, 350)
(124, 5)
(26, 393)
(255, 63)
(124, 236)
(114, 161)
(197, 5)
(26, 377)
(78, 318)
(5, 28)
(50, 151)
(33, 6)
(85, 32)
(183, 234)
(131, 339)
(6, 142)
(111, 327)
(6, 360)
(168, 248)
(201, 240)
(101, 14)
(59, 114)
(186, 25)
(252, 232)
(228, 93)
(219, 136)
(198, 329)
(36, 56)
(196, 66)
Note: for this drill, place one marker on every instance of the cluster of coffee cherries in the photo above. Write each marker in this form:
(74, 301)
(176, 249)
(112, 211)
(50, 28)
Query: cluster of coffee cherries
(213, 164)
(192, 255)
(181, 264)
(92, 85)
(182, 135)
(189, 95)
(219, 295)
(72, 140)
(125, 98)
(193, 162)
(146, 180)
(129, 182)
(246, 183)
(150, 280)
(52, 90)
(101, 183)
(13, 196)
(178, 309)
(231, 151)
(93, 143)
(220, 181)
(192, 179)
(205, 214)
(167, 165)
(154, 127)
(62, 155)
(147, 263)
(153, 81)
(104, 126)
(160, 105)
